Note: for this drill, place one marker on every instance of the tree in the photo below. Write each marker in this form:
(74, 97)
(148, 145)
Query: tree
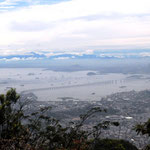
(11, 115)
(112, 144)
(144, 129)
(39, 131)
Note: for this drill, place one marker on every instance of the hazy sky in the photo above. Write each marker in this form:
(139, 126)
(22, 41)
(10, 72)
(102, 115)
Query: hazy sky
(74, 25)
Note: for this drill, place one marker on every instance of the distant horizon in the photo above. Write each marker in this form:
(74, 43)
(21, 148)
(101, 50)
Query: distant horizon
(89, 54)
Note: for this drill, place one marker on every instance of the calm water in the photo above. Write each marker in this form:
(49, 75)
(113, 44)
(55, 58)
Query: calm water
(50, 85)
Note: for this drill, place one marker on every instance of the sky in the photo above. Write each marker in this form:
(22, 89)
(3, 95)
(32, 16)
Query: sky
(73, 26)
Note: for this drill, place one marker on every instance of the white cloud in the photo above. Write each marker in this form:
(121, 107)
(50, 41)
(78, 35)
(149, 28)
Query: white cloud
(11, 2)
(18, 59)
(146, 54)
(61, 58)
(74, 25)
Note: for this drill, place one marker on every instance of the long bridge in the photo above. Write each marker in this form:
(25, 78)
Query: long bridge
(74, 86)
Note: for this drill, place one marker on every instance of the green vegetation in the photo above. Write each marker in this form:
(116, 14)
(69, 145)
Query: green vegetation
(111, 144)
(39, 131)
(144, 129)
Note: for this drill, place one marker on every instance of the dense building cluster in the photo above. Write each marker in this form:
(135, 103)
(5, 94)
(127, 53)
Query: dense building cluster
(128, 108)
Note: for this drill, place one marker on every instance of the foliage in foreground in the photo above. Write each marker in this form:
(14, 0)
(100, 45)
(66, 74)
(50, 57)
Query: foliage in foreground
(112, 144)
(144, 129)
(39, 131)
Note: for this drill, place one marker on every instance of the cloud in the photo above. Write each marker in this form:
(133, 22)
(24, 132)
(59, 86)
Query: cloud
(18, 59)
(61, 58)
(145, 54)
(29, 27)
(119, 54)
(75, 25)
